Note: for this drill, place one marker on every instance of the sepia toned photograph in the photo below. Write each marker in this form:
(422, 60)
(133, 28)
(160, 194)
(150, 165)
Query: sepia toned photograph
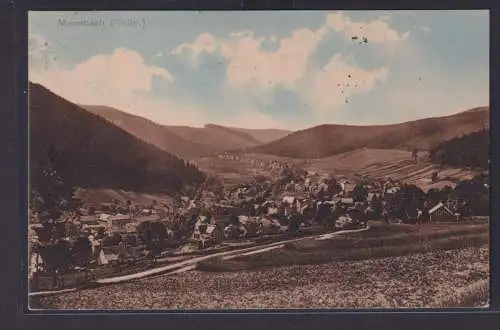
(206, 160)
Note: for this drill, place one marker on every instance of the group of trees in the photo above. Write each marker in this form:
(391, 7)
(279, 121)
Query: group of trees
(470, 150)
(52, 202)
(471, 195)
(60, 256)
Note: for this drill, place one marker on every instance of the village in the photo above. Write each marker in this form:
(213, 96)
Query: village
(128, 237)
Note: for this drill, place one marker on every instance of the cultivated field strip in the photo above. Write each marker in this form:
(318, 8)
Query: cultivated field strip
(414, 281)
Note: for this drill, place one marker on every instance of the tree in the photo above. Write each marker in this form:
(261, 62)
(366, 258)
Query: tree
(414, 154)
(476, 193)
(260, 178)
(360, 193)
(112, 240)
(470, 150)
(234, 220)
(294, 222)
(334, 186)
(377, 207)
(406, 202)
(52, 194)
(58, 259)
(130, 240)
(70, 228)
(435, 176)
(100, 232)
(81, 253)
(153, 235)
(91, 210)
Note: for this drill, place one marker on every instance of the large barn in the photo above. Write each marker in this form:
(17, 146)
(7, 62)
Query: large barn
(441, 213)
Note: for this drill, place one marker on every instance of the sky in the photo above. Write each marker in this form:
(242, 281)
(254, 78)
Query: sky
(265, 69)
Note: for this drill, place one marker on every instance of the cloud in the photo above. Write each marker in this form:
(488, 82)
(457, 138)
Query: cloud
(205, 42)
(121, 80)
(248, 63)
(341, 78)
(101, 77)
(376, 31)
(251, 66)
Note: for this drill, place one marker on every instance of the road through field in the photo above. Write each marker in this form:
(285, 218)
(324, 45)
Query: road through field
(190, 264)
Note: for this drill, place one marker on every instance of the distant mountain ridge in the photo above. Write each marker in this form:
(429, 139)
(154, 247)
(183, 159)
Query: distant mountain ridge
(263, 135)
(216, 137)
(184, 141)
(151, 132)
(98, 154)
(330, 139)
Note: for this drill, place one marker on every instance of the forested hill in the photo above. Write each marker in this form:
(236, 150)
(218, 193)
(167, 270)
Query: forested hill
(470, 150)
(93, 153)
(331, 139)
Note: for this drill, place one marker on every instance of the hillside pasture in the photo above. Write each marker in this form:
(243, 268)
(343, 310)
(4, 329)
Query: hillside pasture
(390, 163)
(380, 241)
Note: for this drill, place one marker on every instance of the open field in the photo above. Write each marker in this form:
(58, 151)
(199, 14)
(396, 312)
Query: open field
(379, 241)
(396, 164)
(431, 280)
(388, 266)
(373, 163)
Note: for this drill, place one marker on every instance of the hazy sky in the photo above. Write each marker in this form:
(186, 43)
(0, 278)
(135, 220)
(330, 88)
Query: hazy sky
(278, 69)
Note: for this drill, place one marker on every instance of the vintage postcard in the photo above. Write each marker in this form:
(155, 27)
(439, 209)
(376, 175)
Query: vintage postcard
(258, 160)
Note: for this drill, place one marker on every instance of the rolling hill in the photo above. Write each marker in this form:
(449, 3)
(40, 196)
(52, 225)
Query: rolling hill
(153, 133)
(96, 153)
(184, 141)
(327, 140)
(216, 137)
(263, 135)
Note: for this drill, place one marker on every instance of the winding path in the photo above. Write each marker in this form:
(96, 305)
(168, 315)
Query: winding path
(190, 264)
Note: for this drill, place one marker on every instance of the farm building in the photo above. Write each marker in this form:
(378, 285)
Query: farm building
(118, 223)
(441, 213)
(108, 255)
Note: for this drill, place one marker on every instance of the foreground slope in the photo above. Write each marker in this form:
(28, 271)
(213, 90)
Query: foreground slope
(438, 266)
(327, 140)
(97, 154)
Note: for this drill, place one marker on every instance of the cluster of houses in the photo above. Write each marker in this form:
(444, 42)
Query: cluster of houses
(260, 207)
(272, 165)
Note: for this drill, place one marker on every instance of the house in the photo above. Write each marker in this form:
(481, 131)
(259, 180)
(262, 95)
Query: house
(108, 255)
(441, 213)
(91, 223)
(150, 218)
(392, 190)
(104, 217)
(131, 254)
(118, 223)
(342, 200)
